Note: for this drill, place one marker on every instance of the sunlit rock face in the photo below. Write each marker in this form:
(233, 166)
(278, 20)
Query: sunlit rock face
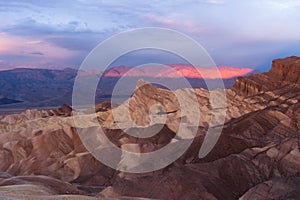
(283, 72)
(287, 69)
(256, 157)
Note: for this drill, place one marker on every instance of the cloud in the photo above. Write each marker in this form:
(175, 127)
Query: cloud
(228, 29)
(17, 45)
(34, 42)
(214, 2)
(287, 4)
(71, 35)
(37, 53)
(188, 26)
(17, 51)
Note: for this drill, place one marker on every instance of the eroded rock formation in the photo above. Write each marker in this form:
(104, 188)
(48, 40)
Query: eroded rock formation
(256, 157)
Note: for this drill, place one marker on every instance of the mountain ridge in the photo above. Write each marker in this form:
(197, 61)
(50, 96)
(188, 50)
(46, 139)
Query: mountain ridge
(256, 157)
(177, 70)
(33, 88)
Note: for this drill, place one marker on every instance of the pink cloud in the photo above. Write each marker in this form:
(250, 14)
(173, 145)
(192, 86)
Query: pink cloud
(38, 53)
(188, 26)
(16, 45)
(34, 42)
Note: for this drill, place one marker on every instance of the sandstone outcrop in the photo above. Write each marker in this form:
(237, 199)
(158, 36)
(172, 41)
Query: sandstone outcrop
(256, 157)
(284, 71)
(287, 69)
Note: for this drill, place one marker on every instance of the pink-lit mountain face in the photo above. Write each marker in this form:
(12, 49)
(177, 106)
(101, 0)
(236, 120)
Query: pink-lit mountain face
(177, 71)
(27, 87)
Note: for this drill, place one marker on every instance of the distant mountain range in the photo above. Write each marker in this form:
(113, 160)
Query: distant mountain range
(176, 71)
(26, 87)
(46, 154)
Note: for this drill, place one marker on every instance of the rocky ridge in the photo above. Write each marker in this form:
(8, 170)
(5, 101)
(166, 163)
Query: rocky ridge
(256, 157)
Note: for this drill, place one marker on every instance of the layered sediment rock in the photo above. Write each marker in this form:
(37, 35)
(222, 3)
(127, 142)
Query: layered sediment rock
(287, 69)
(256, 157)
(283, 71)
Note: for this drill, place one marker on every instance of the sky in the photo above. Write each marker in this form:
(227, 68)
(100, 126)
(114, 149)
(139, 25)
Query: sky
(60, 34)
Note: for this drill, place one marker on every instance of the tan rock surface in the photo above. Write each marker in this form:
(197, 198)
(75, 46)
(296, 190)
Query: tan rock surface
(257, 155)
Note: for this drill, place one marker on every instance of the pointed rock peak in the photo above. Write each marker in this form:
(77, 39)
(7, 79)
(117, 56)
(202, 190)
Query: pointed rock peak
(141, 82)
(144, 88)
